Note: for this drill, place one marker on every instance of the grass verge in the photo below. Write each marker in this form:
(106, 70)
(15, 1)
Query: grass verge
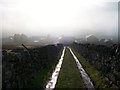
(69, 76)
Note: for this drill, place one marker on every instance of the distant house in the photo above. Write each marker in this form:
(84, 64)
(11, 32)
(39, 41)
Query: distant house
(109, 42)
(7, 40)
(66, 40)
(92, 39)
(80, 40)
(102, 41)
(106, 42)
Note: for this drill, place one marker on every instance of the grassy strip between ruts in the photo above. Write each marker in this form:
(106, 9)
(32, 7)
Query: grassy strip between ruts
(69, 76)
(42, 77)
(97, 78)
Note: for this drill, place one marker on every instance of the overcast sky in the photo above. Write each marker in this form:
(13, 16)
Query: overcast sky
(58, 17)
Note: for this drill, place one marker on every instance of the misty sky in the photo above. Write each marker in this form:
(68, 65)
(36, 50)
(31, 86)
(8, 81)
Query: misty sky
(58, 17)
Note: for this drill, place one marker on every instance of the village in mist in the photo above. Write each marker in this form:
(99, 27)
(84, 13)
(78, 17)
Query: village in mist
(18, 39)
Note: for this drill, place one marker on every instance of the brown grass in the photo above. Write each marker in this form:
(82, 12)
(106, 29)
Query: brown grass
(10, 47)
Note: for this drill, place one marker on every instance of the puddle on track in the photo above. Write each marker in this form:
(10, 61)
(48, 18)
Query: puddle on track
(52, 82)
(86, 79)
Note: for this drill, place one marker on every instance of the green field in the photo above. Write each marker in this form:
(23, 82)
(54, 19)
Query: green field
(69, 76)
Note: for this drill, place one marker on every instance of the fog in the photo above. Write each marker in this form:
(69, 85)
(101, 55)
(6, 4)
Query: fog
(59, 17)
